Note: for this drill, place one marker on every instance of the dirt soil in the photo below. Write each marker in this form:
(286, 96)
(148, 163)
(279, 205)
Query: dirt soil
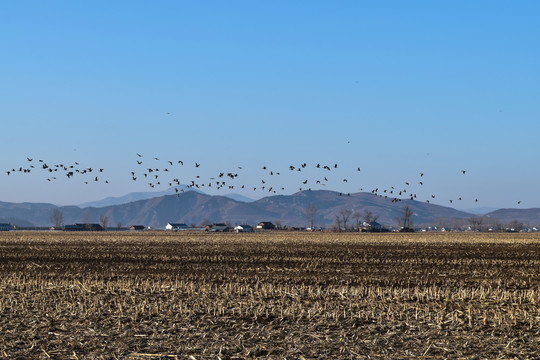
(275, 295)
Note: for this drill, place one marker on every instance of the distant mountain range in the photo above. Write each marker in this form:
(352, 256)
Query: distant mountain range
(479, 210)
(192, 207)
(135, 196)
(526, 216)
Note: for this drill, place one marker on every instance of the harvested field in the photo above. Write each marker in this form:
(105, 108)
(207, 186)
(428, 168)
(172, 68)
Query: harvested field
(274, 295)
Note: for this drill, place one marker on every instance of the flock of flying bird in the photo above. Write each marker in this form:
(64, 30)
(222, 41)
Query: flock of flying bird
(53, 171)
(156, 176)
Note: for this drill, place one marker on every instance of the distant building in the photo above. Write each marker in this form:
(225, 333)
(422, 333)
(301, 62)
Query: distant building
(137, 227)
(176, 226)
(266, 225)
(372, 226)
(220, 227)
(243, 228)
(5, 227)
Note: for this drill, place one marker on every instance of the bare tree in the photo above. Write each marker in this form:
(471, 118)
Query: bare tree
(441, 222)
(57, 218)
(345, 215)
(498, 226)
(475, 222)
(368, 216)
(515, 225)
(103, 219)
(406, 221)
(357, 216)
(278, 224)
(337, 223)
(311, 210)
(119, 225)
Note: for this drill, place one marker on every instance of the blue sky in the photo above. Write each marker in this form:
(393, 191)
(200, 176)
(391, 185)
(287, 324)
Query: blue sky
(391, 87)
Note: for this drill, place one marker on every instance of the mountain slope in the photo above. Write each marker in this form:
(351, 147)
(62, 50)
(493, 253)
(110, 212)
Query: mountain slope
(330, 203)
(192, 207)
(526, 216)
(134, 196)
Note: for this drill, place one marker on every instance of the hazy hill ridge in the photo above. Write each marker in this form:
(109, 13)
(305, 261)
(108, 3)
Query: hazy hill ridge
(135, 196)
(191, 207)
(526, 216)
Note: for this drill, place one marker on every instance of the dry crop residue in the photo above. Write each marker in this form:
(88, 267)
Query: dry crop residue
(272, 295)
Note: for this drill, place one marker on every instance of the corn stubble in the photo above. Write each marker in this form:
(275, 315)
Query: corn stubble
(272, 295)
